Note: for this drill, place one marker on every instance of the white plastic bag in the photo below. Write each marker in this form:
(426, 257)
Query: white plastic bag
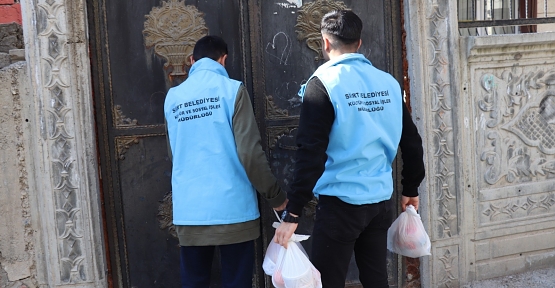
(407, 236)
(290, 268)
(271, 258)
(295, 270)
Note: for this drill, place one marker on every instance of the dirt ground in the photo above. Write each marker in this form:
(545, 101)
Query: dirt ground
(542, 278)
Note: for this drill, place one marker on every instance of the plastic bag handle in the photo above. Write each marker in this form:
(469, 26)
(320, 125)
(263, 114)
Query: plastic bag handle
(411, 211)
(277, 216)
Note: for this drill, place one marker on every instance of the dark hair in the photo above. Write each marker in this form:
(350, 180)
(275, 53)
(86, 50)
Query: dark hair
(345, 25)
(210, 46)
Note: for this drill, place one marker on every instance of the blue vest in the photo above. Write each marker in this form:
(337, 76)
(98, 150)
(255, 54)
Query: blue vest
(366, 131)
(209, 183)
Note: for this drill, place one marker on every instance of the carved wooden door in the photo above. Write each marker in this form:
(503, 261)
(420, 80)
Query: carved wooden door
(139, 50)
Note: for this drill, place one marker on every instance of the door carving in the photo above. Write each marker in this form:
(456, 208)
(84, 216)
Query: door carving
(173, 29)
(308, 23)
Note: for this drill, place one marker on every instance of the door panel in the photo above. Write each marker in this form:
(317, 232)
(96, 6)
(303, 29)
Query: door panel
(139, 51)
(144, 175)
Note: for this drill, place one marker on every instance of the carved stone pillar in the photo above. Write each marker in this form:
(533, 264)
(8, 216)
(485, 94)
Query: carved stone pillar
(66, 207)
(432, 45)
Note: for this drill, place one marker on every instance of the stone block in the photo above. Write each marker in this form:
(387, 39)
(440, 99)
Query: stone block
(17, 55)
(483, 251)
(502, 267)
(11, 37)
(17, 270)
(517, 263)
(3, 278)
(4, 60)
(541, 260)
(523, 244)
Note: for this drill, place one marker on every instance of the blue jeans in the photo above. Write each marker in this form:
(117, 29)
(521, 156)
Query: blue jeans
(237, 265)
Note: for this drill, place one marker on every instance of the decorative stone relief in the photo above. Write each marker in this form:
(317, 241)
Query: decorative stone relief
(173, 29)
(61, 143)
(517, 208)
(308, 23)
(441, 165)
(444, 190)
(516, 125)
(448, 276)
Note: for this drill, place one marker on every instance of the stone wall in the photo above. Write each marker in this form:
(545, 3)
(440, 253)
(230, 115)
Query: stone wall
(432, 48)
(16, 229)
(485, 107)
(17, 263)
(550, 13)
(11, 32)
(11, 37)
(509, 118)
(11, 43)
(69, 237)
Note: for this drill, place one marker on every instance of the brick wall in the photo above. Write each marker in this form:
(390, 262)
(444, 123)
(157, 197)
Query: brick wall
(10, 11)
(11, 32)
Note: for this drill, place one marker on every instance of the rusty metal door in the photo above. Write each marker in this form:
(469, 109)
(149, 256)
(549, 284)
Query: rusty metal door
(139, 50)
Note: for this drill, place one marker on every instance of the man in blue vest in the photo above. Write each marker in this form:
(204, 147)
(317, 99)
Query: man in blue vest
(352, 122)
(217, 164)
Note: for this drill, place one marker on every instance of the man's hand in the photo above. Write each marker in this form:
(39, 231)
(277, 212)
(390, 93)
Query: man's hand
(282, 206)
(405, 201)
(284, 233)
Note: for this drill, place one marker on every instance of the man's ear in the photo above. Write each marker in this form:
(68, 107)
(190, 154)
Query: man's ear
(191, 59)
(359, 44)
(222, 60)
(326, 44)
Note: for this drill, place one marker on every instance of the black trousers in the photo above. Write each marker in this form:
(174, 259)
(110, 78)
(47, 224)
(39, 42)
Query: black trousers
(341, 228)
